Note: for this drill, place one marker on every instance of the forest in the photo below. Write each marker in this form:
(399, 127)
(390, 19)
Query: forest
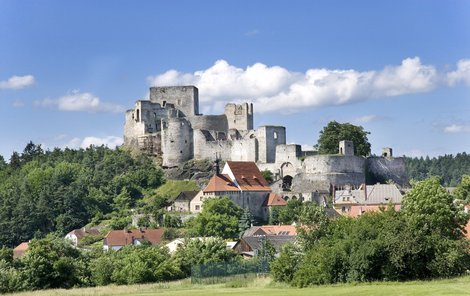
(449, 167)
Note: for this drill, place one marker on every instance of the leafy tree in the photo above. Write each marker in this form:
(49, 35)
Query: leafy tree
(202, 251)
(431, 210)
(3, 164)
(268, 176)
(334, 132)
(15, 161)
(244, 222)
(462, 191)
(267, 251)
(53, 263)
(284, 267)
(313, 224)
(290, 213)
(219, 217)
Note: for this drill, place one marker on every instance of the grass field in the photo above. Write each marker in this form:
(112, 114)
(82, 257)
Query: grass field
(264, 286)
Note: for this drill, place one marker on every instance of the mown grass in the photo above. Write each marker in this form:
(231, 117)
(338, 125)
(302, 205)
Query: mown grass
(264, 286)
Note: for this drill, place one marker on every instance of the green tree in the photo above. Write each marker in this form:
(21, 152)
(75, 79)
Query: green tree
(313, 224)
(290, 213)
(245, 222)
(431, 210)
(334, 132)
(219, 217)
(462, 191)
(202, 251)
(53, 263)
(268, 176)
(284, 267)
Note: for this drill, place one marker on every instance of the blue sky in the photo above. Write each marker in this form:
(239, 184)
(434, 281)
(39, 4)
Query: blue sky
(401, 69)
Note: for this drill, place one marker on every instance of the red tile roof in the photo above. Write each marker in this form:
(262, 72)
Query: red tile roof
(248, 176)
(220, 183)
(271, 230)
(127, 237)
(274, 200)
(20, 250)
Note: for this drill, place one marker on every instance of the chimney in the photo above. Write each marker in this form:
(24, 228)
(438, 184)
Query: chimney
(217, 165)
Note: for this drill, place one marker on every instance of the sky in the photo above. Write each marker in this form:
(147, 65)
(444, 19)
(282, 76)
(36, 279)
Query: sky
(400, 69)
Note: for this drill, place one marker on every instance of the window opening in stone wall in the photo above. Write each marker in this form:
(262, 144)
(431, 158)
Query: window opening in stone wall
(138, 115)
(181, 151)
(178, 102)
(287, 183)
(275, 135)
(164, 103)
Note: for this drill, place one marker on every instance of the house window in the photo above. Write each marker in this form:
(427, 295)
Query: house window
(198, 207)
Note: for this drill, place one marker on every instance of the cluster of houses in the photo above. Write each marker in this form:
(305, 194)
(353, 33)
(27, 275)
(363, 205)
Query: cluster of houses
(245, 185)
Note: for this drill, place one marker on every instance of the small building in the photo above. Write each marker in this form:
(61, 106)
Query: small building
(273, 200)
(76, 235)
(367, 198)
(242, 182)
(117, 239)
(182, 201)
(249, 246)
(20, 250)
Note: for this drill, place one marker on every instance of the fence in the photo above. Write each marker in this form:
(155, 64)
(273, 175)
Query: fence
(220, 272)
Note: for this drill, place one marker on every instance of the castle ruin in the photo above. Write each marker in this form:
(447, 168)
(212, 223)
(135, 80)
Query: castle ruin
(169, 126)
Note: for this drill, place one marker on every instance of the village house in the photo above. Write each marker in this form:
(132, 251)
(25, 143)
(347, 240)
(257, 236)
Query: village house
(75, 236)
(182, 202)
(242, 182)
(367, 198)
(277, 235)
(117, 239)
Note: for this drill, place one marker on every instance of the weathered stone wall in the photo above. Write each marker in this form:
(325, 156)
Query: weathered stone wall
(184, 98)
(268, 138)
(382, 169)
(177, 141)
(204, 149)
(209, 122)
(244, 150)
(239, 117)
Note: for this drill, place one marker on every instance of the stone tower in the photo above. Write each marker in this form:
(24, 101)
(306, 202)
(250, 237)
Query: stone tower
(346, 148)
(239, 117)
(183, 98)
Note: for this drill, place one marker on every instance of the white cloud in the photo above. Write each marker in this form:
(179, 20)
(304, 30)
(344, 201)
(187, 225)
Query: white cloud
(17, 82)
(462, 74)
(18, 104)
(77, 101)
(457, 128)
(278, 89)
(367, 118)
(110, 141)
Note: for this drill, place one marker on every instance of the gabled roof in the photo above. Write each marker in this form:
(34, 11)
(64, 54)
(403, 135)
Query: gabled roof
(220, 183)
(186, 195)
(127, 237)
(284, 230)
(248, 176)
(81, 232)
(370, 194)
(274, 200)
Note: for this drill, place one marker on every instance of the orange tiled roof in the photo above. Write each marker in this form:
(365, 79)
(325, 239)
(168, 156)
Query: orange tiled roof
(127, 237)
(220, 183)
(275, 230)
(248, 176)
(275, 200)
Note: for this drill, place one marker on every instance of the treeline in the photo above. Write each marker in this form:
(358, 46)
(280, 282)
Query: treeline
(61, 190)
(52, 262)
(424, 240)
(449, 167)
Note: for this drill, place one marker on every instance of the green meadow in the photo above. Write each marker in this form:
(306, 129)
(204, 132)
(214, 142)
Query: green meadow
(264, 286)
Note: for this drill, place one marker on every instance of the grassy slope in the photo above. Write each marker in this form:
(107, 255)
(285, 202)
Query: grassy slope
(458, 286)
